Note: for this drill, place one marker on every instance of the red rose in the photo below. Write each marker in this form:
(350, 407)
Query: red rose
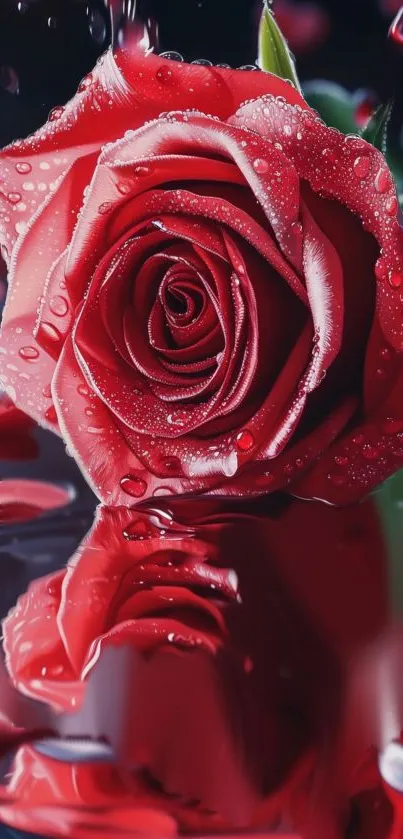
(218, 296)
(249, 655)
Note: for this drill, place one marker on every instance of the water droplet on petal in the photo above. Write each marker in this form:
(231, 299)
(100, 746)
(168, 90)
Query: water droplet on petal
(161, 491)
(370, 452)
(179, 418)
(23, 168)
(341, 460)
(92, 429)
(164, 74)
(85, 83)
(142, 171)
(392, 206)
(361, 167)
(56, 113)
(59, 306)
(123, 187)
(203, 61)
(133, 485)
(47, 392)
(396, 279)
(382, 181)
(105, 208)
(245, 440)
(14, 197)
(51, 414)
(47, 330)
(381, 270)
(29, 353)
(260, 166)
(83, 390)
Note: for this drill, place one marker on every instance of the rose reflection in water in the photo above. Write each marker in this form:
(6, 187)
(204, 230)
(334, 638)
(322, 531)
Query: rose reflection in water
(264, 674)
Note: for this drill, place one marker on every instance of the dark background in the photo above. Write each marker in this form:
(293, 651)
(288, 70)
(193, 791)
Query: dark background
(46, 46)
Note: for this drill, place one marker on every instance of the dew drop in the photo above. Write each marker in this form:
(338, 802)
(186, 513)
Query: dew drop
(133, 485)
(385, 353)
(56, 113)
(260, 166)
(23, 168)
(203, 61)
(105, 208)
(361, 167)
(92, 429)
(47, 392)
(392, 206)
(29, 353)
(245, 440)
(177, 419)
(14, 197)
(164, 74)
(382, 181)
(52, 22)
(381, 270)
(396, 279)
(51, 414)
(142, 171)
(123, 187)
(341, 460)
(370, 452)
(59, 306)
(161, 491)
(83, 390)
(85, 83)
(47, 330)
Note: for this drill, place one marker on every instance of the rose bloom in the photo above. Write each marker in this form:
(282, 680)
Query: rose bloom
(205, 292)
(250, 656)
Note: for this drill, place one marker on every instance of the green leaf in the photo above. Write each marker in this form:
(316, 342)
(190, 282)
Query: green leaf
(375, 132)
(274, 54)
(334, 105)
